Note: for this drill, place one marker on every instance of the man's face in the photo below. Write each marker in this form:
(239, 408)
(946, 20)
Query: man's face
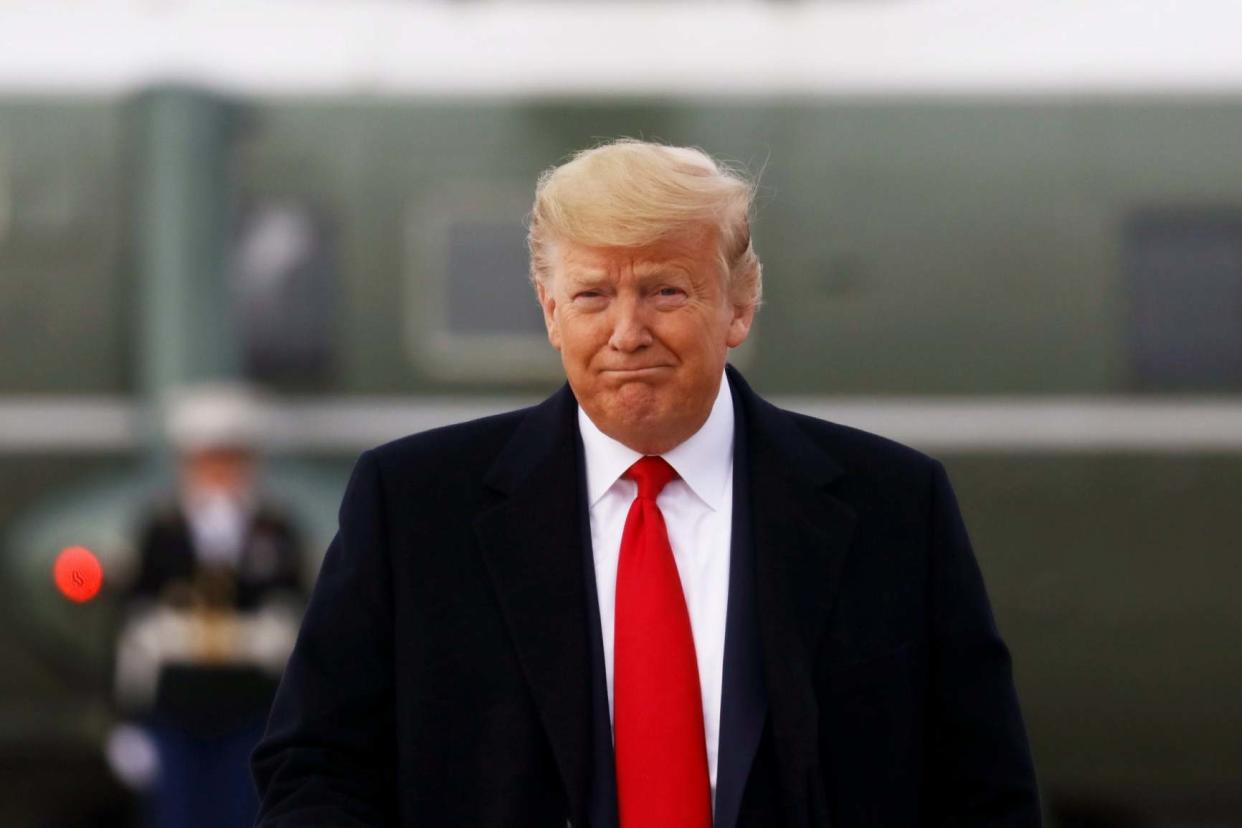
(218, 470)
(643, 334)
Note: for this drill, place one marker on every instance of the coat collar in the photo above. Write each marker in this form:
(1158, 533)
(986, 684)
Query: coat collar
(533, 545)
(802, 535)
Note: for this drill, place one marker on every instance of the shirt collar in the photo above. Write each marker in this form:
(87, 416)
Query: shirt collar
(704, 461)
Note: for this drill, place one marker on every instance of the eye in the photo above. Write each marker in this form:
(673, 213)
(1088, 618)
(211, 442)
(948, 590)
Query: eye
(590, 299)
(669, 297)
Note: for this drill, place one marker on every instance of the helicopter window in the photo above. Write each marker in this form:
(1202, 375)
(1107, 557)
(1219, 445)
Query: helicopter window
(471, 315)
(488, 290)
(1184, 274)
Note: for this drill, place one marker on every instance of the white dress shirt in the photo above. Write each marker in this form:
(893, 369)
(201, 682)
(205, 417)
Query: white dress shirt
(698, 510)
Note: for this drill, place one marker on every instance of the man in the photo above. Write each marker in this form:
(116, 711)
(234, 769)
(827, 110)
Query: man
(211, 616)
(653, 599)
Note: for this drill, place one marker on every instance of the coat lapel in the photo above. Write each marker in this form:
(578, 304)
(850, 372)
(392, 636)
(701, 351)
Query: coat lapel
(743, 703)
(532, 544)
(801, 539)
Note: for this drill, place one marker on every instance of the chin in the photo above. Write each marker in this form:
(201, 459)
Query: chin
(638, 402)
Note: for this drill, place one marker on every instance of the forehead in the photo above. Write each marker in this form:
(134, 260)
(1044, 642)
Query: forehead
(692, 251)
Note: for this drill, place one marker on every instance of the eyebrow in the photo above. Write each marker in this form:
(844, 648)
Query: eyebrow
(586, 276)
(648, 270)
(585, 280)
(644, 270)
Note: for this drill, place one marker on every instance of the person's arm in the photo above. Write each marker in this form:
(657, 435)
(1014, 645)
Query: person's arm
(979, 763)
(287, 583)
(153, 571)
(329, 755)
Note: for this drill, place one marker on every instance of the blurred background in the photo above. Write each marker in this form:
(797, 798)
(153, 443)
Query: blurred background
(242, 241)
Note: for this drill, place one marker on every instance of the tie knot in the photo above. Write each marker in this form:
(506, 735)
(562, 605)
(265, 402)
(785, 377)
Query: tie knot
(652, 474)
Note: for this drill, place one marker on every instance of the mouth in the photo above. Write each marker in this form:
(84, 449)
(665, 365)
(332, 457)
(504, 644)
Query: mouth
(644, 371)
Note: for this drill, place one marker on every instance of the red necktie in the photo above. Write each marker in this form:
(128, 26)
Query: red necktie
(661, 752)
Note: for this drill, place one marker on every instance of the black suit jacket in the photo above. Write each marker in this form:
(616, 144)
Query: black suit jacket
(449, 669)
(269, 561)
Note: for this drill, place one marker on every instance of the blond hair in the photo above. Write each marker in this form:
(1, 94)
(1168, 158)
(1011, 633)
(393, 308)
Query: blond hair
(631, 193)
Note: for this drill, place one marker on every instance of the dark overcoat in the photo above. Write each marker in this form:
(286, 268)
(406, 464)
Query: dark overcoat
(449, 669)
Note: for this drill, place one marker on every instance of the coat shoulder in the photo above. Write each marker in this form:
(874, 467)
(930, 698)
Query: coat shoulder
(879, 464)
(450, 449)
(827, 449)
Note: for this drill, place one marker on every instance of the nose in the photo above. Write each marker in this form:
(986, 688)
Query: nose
(629, 331)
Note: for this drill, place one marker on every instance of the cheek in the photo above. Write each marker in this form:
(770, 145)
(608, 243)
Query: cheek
(694, 339)
(581, 337)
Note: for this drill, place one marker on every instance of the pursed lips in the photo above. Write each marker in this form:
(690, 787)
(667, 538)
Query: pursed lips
(636, 370)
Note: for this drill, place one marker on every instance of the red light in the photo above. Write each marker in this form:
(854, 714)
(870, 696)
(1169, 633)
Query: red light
(77, 573)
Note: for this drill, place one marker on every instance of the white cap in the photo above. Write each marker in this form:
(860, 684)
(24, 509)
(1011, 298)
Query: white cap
(214, 415)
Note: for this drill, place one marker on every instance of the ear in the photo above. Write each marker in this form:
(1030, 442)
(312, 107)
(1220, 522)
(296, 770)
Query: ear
(548, 303)
(739, 325)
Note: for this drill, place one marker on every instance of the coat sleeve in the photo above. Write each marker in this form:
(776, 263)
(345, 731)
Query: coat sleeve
(328, 756)
(980, 771)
